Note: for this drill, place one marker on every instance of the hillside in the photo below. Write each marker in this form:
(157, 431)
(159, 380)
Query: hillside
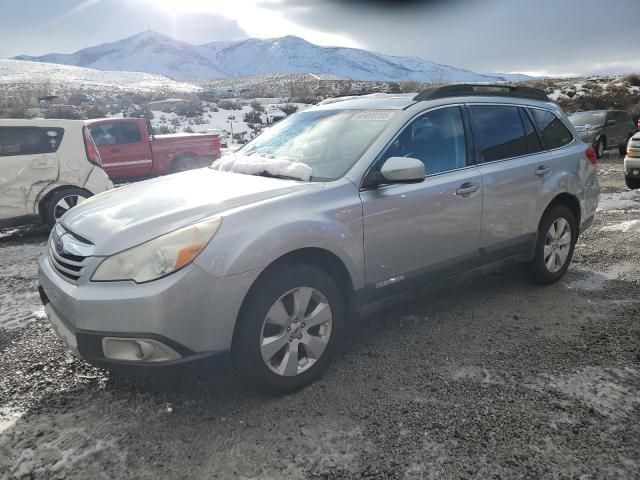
(156, 53)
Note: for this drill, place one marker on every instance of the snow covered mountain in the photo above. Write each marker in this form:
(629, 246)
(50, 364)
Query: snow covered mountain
(153, 52)
(20, 75)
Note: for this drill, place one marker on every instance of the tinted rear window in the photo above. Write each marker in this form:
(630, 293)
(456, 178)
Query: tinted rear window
(130, 133)
(498, 131)
(29, 140)
(554, 133)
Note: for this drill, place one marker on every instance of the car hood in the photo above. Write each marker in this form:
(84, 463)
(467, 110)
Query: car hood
(127, 216)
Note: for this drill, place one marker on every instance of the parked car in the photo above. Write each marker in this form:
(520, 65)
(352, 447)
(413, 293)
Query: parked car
(130, 150)
(271, 252)
(632, 163)
(604, 129)
(46, 167)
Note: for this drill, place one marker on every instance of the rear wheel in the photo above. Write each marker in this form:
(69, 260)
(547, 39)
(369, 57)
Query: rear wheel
(622, 148)
(185, 163)
(61, 202)
(289, 329)
(557, 237)
(632, 183)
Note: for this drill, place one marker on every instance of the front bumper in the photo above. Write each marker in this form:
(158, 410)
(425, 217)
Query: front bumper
(631, 166)
(190, 312)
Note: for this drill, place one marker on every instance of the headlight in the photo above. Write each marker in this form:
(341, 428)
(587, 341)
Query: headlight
(158, 257)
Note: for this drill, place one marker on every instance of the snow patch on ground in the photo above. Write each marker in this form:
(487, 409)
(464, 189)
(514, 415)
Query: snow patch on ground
(8, 418)
(629, 226)
(20, 303)
(603, 389)
(590, 280)
(256, 165)
(619, 201)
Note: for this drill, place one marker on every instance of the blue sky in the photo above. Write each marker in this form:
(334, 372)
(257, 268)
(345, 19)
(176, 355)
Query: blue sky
(542, 36)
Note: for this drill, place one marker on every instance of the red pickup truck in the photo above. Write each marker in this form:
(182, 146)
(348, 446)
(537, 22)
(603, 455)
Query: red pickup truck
(129, 149)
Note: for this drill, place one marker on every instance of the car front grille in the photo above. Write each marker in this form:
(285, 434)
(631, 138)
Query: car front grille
(68, 254)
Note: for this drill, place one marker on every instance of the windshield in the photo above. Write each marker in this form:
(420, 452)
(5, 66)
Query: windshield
(583, 119)
(328, 141)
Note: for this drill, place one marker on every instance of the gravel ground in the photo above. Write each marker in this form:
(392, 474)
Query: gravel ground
(494, 378)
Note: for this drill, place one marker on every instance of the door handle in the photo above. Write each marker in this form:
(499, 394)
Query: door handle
(542, 171)
(467, 189)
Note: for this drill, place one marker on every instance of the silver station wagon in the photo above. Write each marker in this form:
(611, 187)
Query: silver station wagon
(270, 253)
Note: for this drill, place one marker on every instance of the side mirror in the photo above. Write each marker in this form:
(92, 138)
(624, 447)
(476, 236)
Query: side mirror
(403, 170)
(611, 122)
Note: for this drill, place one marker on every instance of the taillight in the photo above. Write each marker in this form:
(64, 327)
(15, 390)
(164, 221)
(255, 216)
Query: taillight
(590, 153)
(93, 155)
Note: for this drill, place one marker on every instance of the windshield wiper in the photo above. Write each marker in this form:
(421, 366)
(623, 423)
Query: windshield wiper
(282, 177)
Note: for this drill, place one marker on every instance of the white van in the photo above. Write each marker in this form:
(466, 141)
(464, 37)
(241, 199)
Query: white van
(46, 168)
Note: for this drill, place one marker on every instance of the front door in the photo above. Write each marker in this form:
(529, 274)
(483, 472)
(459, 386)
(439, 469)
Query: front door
(424, 231)
(124, 151)
(28, 163)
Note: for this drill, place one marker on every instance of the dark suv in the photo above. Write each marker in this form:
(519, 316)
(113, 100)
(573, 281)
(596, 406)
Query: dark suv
(604, 129)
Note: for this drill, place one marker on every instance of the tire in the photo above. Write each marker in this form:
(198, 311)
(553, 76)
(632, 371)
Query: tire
(632, 183)
(549, 268)
(622, 149)
(185, 163)
(268, 369)
(600, 147)
(61, 201)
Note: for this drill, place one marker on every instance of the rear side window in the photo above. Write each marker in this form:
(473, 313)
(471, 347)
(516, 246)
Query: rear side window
(130, 133)
(116, 133)
(104, 134)
(29, 140)
(554, 133)
(498, 131)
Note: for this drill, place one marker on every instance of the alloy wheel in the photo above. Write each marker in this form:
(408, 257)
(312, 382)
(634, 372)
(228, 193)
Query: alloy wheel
(296, 331)
(65, 204)
(557, 245)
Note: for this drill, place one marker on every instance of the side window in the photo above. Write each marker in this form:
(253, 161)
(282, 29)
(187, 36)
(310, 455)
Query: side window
(499, 132)
(554, 133)
(533, 142)
(104, 134)
(436, 138)
(29, 140)
(130, 133)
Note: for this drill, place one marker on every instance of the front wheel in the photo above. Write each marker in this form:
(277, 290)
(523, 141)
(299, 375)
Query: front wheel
(632, 183)
(289, 329)
(557, 236)
(61, 202)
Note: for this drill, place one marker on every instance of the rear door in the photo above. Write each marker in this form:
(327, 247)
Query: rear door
(424, 231)
(28, 163)
(513, 169)
(125, 151)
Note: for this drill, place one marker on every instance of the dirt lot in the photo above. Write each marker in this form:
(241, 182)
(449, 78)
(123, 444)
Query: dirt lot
(494, 378)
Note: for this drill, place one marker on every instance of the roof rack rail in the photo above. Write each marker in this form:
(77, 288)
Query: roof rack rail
(468, 90)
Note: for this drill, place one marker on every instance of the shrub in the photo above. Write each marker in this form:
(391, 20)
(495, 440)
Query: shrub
(229, 105)
(188, 130)
(257, 106)
(632, 79)
(191, 109)
(164, 130)
(289, 109)
(253, 116)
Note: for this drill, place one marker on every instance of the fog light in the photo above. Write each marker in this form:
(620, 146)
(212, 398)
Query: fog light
(636, 172)
(137, 350)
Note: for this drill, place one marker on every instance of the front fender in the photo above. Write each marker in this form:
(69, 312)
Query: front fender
(328, 219)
